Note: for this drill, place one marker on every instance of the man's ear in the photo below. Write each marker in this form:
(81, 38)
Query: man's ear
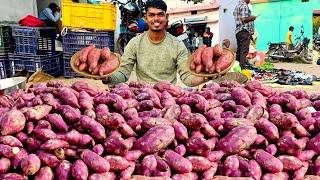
(167, 16)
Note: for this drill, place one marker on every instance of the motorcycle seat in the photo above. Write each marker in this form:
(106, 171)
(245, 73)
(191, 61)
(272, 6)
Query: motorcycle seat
(279, 43)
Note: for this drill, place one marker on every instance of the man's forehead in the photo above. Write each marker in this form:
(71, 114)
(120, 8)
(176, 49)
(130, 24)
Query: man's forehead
(155, 10)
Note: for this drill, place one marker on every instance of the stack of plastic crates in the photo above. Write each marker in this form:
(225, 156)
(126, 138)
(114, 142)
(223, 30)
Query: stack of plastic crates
(6, 46)
(35, 50)
(74, 41)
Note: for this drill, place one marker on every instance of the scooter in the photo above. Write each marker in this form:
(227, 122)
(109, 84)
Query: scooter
(279, 51)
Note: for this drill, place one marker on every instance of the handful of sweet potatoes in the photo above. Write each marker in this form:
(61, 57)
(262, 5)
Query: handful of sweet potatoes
(97, 61)
(211, 59)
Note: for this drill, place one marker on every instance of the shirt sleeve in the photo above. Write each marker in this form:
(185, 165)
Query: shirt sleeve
(48, 13)
(182, 67)
(128, 59)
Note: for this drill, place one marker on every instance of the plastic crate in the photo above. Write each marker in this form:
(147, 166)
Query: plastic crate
(48, 64)
(6, 41)
(34, 40)
(74, 41)
(5, 66)
(90, 16)
(67, 70)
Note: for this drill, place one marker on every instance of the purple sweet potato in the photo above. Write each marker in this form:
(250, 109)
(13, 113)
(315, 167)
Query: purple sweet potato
(300, 173)
(155, 139)
(255, 113)
(70, 114)
(237, 139)
(94, 127)
(177, 162)
(254, 170)
(305, 155)
(199, 163)
(43, 124)
(241, 97)
(10, 141)
(53, 144)
(148, 123)
(126, 130)
(44, 134)
(193, 121)
(215, 156)
(4, 165)
(127, 173)
(181, 149)
(181, 132)
(111, 120)
(47, 158)
(290, 163)
(133, 155)
(208, 130)
(209, 174)
(115, 145)
(85, 100)
(267, 128)
(45, 173)
(8, 151)
(163, 168)
(57, 122)
(85, 86)
(67, 96)
(16, 160)
(38, 112)
(32, 144)
(289, 144)
(79, 170)
(283, 120)
(49, 99)
(231, 163)
(117, 163)
(98, 148)
(313, 144)
(198, 145)
(299, 130)
(173, 112)
(268, 162)
(12, 122)
(30, 165)
(231, 123)
(95, 162)
(272, 149)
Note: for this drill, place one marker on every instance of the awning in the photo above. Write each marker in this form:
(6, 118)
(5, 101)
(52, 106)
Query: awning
(195, 19)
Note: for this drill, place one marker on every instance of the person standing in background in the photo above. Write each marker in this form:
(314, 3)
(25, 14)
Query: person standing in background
(207, 37)
(51, 15)
(244, 30)
(289, 41)
(196, 41)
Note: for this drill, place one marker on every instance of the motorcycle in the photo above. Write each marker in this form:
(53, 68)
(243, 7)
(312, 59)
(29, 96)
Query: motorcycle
(279, 51)
(316, 42)
(132, 24)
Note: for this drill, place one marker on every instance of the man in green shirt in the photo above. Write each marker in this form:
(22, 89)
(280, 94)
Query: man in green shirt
(157, 54)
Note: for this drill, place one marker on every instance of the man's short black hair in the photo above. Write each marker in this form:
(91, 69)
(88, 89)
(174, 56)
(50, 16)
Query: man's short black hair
(291, 28)
(159, 4)
(53, 5)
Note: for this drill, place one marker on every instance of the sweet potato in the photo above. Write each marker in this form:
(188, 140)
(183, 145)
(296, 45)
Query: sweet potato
(117, 163)
(317, 166)
(198, 146)
(173, 112)
(4, 165)
(192, 121)
(84, 53)
(177, 162)
(175, 91)
(44, 134)
(199, 163)
(127, 173)
(43, 124)
(94, 161)
(237, 139)
(85, 100)
(290, 163)
(115, 145)
(59, 153)
(268, 162)
(79, 170)
(109, 66)
(83, 67)
(206, 58)
(283, 120)
(124, 93)
(313, 144)
(231, 163)
(8, 151)
(30, 165)
(85, 86)
(69, 113)
(272, 149)
(47, 158)
(230, 123)
(98, 148)
(105, 53)
(12, 122)
(267, 128)
(95, 128)
(254, 170)
(49, 99)
(197, 55)
(93, 58)
(215, 156)
(139, 177)
(300, 173)
(163, 168)
(280, 176)
(10, 141)
(53, 144)
(67, 96)
(217, 50)
(57, 122)
(126, 130)
(299, 130)
(45, 173)
(133, 155)
(155, 139)
(224, 61)
(209, 174)
(16, 160)
(305, 155)
(181, 149)
(181, 132)
(289, 144)
(241, 97)
(32, 144)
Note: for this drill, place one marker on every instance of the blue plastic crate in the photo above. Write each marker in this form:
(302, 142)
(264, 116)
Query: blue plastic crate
(34, 40)
(67, 70)
(69, 73)
(74, 41)
(48, 64)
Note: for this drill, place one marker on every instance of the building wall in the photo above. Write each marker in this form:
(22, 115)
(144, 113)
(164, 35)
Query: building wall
(277, 17)
(14, 10)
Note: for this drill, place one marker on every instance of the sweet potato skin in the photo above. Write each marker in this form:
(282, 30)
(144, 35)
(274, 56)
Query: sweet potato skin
(177, 162)
(30, 165)
(95, 162)
(79, 170)
(12, 122)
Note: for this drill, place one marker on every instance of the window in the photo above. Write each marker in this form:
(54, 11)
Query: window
(305, 0)
(194, 12)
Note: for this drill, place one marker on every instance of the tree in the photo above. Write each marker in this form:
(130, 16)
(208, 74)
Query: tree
(195, 1)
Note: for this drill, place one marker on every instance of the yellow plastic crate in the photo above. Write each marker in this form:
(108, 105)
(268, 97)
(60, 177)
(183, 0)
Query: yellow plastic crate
(89, 16)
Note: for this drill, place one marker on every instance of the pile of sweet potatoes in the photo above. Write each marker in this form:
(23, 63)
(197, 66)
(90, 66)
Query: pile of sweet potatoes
(211, 59)
(97, 61)
(138, 131)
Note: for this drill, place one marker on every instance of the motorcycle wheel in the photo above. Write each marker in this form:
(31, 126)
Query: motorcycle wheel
(122, 42)
(304, 56)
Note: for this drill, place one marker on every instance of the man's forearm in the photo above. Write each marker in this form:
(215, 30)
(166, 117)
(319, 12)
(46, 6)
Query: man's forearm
(248, 19)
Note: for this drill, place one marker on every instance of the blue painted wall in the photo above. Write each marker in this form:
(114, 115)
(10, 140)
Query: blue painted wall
(277, 17)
